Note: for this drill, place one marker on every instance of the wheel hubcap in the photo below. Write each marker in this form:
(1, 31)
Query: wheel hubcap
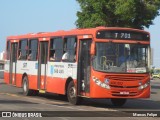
(25, 86)
(72, 92)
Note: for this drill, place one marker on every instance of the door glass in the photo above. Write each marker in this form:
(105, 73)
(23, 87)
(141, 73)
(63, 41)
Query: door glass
(14, 52)
(84, 58)
(44, 52)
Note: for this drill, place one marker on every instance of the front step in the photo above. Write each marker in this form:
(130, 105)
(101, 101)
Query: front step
(42, 91)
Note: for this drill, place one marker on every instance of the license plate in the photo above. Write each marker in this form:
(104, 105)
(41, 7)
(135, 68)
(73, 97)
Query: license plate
(124, 93)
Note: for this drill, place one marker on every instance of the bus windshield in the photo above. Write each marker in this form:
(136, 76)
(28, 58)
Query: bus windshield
(119, 57)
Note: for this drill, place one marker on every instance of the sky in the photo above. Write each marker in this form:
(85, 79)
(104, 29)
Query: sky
(31, 16)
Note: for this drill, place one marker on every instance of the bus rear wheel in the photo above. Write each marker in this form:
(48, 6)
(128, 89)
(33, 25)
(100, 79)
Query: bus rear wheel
(118, 101)
(26, 90)
(72, 94)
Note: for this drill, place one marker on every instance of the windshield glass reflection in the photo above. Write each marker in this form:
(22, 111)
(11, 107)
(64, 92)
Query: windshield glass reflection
(126, 58)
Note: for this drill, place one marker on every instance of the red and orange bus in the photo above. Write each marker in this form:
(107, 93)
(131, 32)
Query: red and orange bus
(102, 62)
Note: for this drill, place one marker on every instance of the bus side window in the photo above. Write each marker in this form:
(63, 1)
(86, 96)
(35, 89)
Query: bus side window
(19, 55)
(33, 49)
(52, 51)
(23, 49)
(70, 45)
(56, 49)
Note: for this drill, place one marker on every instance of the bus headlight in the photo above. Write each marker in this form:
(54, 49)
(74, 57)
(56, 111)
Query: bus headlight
(101, 84)
(141, 87)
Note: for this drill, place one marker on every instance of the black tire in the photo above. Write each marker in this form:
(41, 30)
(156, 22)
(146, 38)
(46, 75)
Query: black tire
(26, 90)
(118, 101)
(72, 94)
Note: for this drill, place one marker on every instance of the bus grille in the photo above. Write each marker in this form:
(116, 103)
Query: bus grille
(131, 90)
(126, 78)
(113, 86)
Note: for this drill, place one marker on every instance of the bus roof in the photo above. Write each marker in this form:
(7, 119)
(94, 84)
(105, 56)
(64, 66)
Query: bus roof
(72, 32)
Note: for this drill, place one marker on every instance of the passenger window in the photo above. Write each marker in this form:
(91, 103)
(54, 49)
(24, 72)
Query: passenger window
(33, 50)
(52, 51)
(70, 45)
(23, 49)
(56, 49)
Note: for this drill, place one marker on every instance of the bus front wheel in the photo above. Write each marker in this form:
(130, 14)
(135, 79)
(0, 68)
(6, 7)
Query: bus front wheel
(71, 94)
(118, 101)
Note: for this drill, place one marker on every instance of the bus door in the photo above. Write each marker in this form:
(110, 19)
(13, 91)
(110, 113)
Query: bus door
(84, 66)
(13, 63)
(42, 65)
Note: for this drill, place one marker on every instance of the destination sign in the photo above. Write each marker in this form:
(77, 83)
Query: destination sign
(122, 35)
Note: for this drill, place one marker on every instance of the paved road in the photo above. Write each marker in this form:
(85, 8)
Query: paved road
(11, 99)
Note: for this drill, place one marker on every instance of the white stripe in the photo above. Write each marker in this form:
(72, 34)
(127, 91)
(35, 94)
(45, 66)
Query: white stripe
(53, 69)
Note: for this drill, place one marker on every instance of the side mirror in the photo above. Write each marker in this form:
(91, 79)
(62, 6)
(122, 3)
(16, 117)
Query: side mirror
(92, 52)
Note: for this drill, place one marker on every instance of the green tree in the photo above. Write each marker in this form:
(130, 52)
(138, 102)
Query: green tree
(117, 13)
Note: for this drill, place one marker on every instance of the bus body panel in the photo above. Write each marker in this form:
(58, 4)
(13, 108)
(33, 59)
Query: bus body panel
(58, 73)
(121, 85)
(6, 77)
(99, 92)
(19, 80)
(6, 71)
(55, 85)
(62, 70)
(30, 69)
(33, 82)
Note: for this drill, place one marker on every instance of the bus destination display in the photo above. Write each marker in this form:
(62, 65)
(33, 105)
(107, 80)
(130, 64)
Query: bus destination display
(122, 35)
